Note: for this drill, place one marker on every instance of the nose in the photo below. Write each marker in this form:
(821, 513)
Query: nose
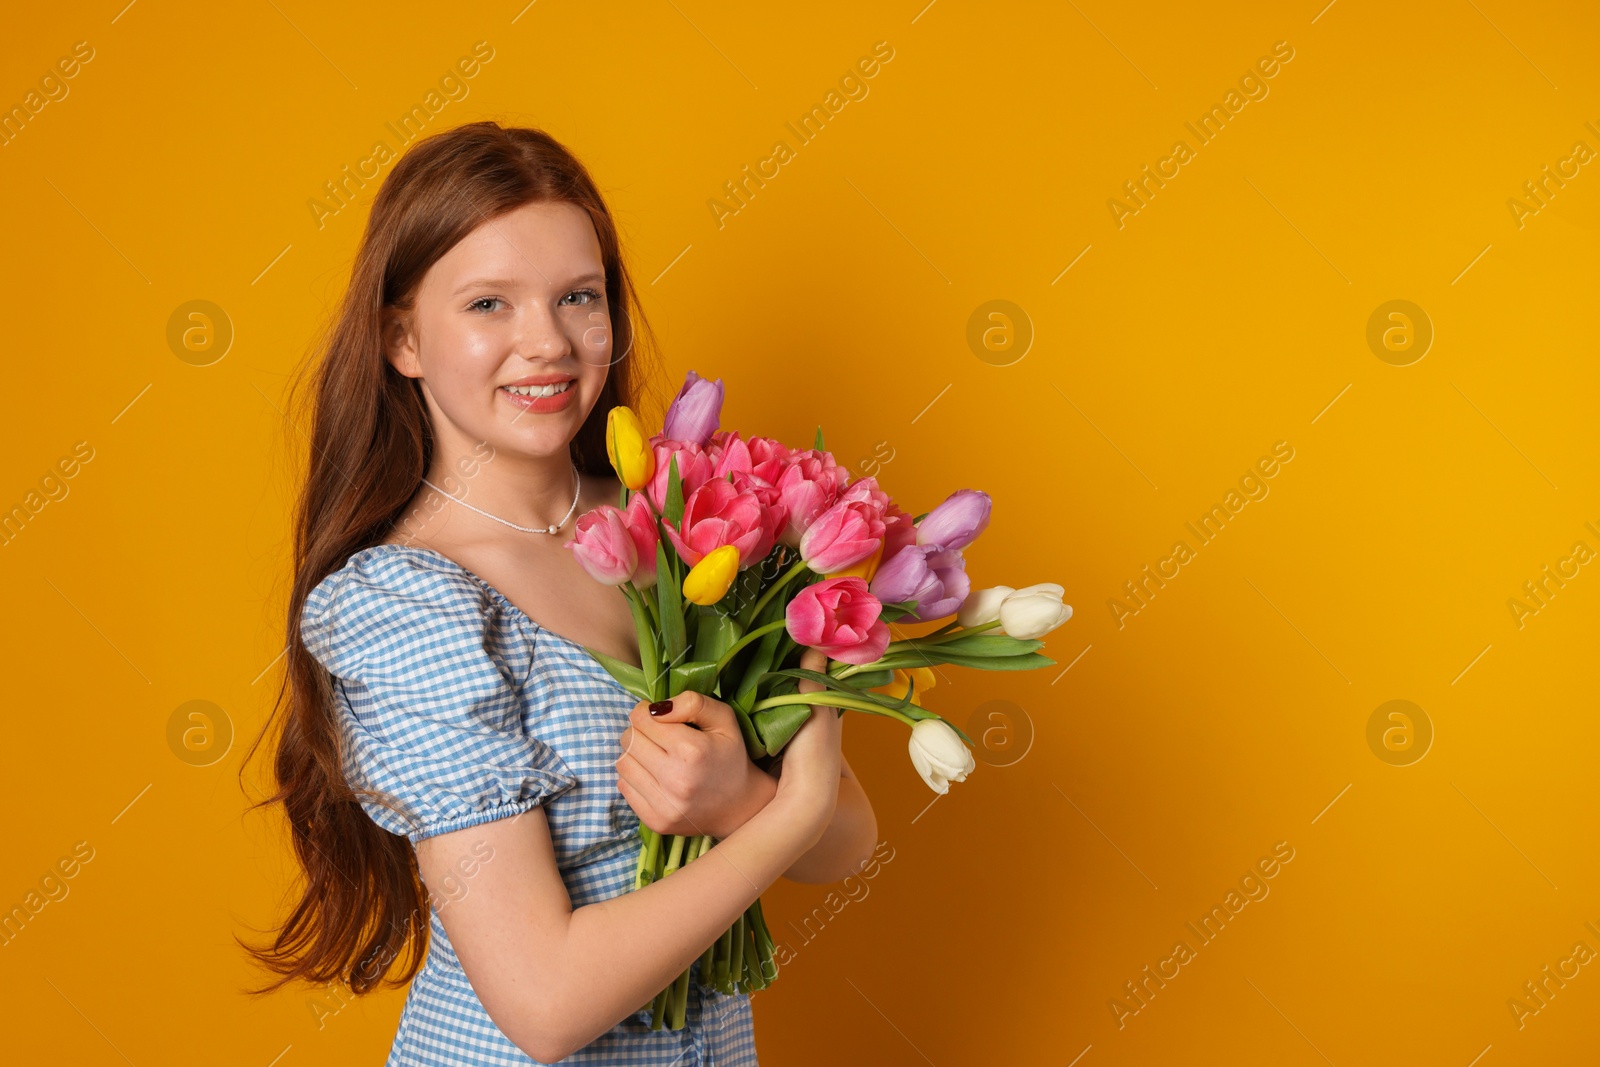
(542, 336)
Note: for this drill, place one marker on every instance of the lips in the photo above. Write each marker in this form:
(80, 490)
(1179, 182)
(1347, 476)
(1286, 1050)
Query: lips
(538, 397)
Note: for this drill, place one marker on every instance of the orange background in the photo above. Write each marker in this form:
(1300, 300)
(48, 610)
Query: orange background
(1114, 801)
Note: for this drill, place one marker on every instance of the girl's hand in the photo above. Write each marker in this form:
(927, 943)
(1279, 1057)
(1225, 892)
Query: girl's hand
(687, 772)
(811, 763)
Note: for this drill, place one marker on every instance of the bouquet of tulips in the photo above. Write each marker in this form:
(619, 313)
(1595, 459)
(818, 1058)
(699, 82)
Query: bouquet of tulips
(736, 554)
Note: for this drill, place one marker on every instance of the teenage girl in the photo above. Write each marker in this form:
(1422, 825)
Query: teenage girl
(463, 783)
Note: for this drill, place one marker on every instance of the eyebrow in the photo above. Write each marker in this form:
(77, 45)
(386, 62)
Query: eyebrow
(509, 283)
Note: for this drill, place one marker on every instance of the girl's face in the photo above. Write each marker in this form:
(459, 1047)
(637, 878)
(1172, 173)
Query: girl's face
(516, 308)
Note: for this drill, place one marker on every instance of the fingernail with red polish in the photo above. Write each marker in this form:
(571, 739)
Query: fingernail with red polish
(661, 707)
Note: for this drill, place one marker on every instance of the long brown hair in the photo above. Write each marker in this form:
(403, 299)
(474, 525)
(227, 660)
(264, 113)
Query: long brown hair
(363, 910)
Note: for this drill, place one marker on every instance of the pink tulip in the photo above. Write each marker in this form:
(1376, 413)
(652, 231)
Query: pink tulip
(695, 411)
(840, 617)
(717, 514)
(956, 522)
(774, 513)
(934, 576)
(809, 485)
(695, 468)
(763, 459)
(769, 458)
(729, 452)
(866, 490)
(847, 533)
(642, 527)
(604, 546)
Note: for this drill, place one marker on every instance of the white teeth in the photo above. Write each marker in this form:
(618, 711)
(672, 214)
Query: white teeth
(539, 390)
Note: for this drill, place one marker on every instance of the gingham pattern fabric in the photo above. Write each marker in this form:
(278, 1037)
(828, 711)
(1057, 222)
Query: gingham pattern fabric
(463, 710)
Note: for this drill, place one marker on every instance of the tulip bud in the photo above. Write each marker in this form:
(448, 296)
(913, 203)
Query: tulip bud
(707, 581)
(1033, 611)
(983, 606)
(695, 411)
(631, 455)
(603, 545)
(962, 516)
(939, 754)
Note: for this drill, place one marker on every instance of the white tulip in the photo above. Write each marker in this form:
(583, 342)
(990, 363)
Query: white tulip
(983, 606)
(1034, 610)
(939, 754)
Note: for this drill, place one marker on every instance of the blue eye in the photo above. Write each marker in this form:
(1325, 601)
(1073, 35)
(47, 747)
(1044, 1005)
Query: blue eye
(590, 293)
(485, 300)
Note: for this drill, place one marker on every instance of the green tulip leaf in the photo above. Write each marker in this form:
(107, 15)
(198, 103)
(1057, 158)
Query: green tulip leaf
(673, 511)
(871, 679)
(932, 656)
(752, 740)
(627, 675)
(760, 660)
(898, 609)
(775, 726)
(669, 599)
(715, 632)
(982, 645)
(697, 675)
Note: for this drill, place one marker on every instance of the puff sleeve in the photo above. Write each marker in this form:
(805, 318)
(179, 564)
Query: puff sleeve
(428, 670)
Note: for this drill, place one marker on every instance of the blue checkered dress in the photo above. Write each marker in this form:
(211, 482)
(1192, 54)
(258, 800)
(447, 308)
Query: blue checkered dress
(463, 710)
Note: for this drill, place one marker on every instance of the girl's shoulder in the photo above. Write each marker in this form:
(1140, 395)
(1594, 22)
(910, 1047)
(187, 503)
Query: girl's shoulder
(394, 598)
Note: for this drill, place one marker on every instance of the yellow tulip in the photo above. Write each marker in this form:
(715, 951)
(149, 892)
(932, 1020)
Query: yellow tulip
(864, 569)
(924, 676)
(707, 581)
(628, 448)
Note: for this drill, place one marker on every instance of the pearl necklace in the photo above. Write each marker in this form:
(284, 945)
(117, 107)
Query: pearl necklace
(576, 486)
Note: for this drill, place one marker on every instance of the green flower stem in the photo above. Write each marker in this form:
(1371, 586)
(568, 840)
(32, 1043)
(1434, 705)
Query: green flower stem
(753, 635)
(680, 1001)
(675, 858)
(649, 857)
(762, 933)
(758, 973)
(754, 610)
(671, 1004)
(646, 624)
(752, 966)
(833, 699)
(736, 960)
(764, 974)
(719, 969)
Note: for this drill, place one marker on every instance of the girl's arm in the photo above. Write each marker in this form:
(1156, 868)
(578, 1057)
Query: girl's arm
(847, 844)
(554, 978)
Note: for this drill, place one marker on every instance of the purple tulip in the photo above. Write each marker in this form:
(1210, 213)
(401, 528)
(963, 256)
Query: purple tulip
(956, 522)
(932, 575)
(948, 565)
(695, 411)
(905, 576)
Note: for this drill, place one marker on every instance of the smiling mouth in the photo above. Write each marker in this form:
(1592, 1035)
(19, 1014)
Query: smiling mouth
(537, 391)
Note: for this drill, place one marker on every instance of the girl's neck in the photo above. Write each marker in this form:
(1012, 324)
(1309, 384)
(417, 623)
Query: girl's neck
(531, 491)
